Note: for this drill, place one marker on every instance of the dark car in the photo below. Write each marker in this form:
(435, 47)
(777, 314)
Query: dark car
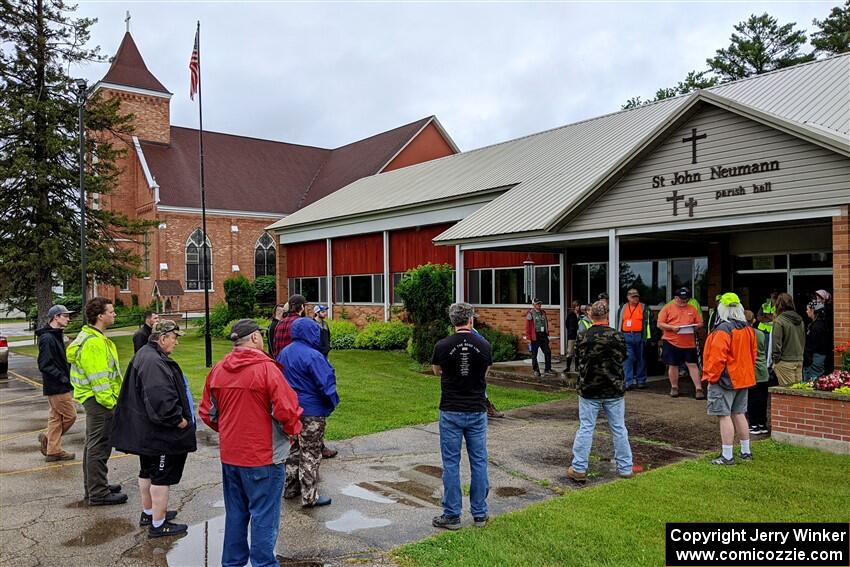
(4, 358)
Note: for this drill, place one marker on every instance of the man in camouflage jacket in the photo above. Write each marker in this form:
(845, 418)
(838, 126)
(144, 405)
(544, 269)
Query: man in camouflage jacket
(601, 385)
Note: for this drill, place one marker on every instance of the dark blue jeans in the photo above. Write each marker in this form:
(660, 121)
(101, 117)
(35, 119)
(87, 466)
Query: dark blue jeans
(635, 364)
(456, 426)
(251, 494)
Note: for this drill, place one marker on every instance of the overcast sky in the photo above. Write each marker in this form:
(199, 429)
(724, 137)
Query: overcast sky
(326, 74)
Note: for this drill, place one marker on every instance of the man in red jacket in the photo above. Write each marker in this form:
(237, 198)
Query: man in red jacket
(247, 400)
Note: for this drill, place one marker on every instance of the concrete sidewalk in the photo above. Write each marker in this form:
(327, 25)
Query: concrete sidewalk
(386, 487)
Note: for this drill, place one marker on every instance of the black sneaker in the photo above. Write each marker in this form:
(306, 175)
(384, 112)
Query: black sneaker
(446, 522)
(758, 430)
(480, 521)
(145, 520)
(167, 529)
(114, 488)
(721, 460)
(109, 500)
(320, 501)
(746, 456)
(641, 386)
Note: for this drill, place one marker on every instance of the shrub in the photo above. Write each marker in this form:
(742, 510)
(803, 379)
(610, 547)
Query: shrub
(227, 329)
(265, 289)
(343, 334)
(426, 292)
(119, 302)
(384, 336)
(239, 295)
(220, 316)
(504, 345)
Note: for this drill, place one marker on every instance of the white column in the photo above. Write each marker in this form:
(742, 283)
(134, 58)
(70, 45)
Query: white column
(386, 275)
(330, 277)
(459, 274)
(562, 309)
(613, 276)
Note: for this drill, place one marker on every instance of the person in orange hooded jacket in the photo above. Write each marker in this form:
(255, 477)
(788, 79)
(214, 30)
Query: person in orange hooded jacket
(729, 361)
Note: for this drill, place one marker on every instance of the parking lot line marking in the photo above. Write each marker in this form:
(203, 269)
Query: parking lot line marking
(19, 435)
(59, 465)
(39, 395)
(25, 379)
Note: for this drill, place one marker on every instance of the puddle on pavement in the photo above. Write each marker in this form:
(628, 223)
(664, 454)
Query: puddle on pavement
(202, 545)
(102, 532)
(384, 468)
(394, 496)
(364, 494)
(509, 491)
(354, 520)
(430, 470)
(218, 504)
(413, 488)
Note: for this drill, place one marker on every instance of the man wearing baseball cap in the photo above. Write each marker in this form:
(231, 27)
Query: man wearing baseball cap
(254, 410)
(56, 384)
(537, 334)
(320, 315)
(154, 419)
(679, 321)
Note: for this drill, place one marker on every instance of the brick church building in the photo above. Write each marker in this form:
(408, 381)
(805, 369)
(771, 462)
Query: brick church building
(250, 183)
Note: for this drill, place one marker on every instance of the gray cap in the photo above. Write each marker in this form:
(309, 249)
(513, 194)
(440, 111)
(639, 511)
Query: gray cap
(57, 310)
(166, 326)
(243, 328)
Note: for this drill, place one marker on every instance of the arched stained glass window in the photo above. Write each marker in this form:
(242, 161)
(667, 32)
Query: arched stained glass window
(195, 270)
(264, 256)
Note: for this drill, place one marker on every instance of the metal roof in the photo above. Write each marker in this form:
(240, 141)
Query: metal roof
(549, 173)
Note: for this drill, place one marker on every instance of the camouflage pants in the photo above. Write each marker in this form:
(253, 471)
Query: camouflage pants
(305, 456)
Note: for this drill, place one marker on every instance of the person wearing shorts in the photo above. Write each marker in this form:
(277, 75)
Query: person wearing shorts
(679, 321)
(729, 366)
(154, 419)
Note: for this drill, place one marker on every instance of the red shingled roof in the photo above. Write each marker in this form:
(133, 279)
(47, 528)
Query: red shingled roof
(129, 69)
(249, 174)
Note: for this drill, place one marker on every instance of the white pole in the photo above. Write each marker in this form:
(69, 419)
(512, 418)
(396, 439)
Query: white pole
(330, 277)
(386, 275)
(562, 259)
(613, 276)
(459, 295)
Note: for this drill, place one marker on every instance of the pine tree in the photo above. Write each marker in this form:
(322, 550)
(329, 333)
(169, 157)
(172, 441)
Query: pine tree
(834, 35)
(760, 45)
(39, 202)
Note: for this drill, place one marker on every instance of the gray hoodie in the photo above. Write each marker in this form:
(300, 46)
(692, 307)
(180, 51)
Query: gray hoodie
(788, 338)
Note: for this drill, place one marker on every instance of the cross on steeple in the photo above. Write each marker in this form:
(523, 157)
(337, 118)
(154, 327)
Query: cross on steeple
(127, 20)
(690, 204)
(675, 198)
(693, 139)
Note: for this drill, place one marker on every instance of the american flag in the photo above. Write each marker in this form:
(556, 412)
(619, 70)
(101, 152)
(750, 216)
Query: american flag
(195, 68)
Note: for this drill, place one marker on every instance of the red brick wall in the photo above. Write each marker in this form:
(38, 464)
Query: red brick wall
(810, 416)
(360, 315)
(841, 278)
(152, 114)
(512, 320)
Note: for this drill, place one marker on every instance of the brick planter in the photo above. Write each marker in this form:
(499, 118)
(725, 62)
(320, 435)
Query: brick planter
(810, 418)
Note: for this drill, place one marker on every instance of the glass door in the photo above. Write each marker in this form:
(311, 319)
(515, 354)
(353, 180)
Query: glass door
(805, 282)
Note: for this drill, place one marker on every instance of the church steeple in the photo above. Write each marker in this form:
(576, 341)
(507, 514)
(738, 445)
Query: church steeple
(128, 69)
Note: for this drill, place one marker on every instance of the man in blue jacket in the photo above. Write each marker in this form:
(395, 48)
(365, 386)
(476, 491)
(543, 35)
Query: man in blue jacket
(313, 379)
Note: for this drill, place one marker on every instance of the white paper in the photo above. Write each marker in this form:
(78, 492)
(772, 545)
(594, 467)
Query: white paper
(687, 329)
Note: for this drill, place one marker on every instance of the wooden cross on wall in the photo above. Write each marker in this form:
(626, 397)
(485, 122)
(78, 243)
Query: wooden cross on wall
(675, 198)
(693, 140)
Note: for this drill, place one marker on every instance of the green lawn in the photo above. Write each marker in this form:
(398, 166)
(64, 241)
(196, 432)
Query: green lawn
(378, 390)
(622, 523)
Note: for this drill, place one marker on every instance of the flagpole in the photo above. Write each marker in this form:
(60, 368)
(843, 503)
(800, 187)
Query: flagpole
(207, 275)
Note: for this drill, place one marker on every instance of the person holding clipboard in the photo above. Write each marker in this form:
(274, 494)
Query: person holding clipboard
(679, 322)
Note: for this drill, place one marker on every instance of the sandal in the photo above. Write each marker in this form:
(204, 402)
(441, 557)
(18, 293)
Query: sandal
(700, 395)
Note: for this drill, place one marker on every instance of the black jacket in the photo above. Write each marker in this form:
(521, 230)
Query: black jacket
(54, 367)
(270, 335)
(140, 338)
(152, 402)
(818, 340)
(324, 337)
(601, 353)
(572, 326)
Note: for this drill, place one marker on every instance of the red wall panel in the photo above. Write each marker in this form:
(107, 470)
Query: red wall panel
(428, 145)
(412, 247)
(483, 259)
(358, 254)
(306, 259)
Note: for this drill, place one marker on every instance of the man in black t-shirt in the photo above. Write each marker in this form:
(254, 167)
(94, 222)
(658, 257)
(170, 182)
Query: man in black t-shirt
(461, 361)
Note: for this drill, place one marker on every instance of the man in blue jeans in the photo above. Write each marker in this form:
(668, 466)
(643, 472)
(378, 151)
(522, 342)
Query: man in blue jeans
(461, 361)
(254, 410)
(633, 320)
(601, 386)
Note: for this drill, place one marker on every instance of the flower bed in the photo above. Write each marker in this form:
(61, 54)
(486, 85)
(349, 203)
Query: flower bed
(813, 415)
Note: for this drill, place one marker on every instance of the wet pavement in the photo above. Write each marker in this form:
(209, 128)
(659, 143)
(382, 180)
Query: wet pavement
(385, 487)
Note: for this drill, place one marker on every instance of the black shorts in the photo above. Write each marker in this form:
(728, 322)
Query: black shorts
(675, 356)
(162, 470)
